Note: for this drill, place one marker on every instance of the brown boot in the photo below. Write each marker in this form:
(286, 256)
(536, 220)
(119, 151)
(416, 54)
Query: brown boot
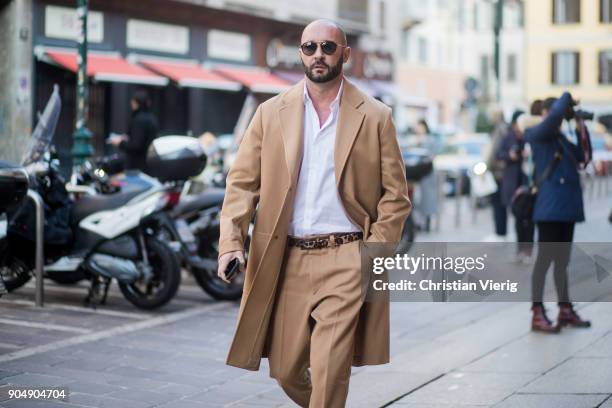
(569, 317)
(540, 322)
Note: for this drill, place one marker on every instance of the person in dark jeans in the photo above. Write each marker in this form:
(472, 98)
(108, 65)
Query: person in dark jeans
(496, 166)
(142, 130)
(558, 206)
(511, 151)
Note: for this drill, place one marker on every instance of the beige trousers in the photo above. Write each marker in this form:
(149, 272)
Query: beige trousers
(313, 324)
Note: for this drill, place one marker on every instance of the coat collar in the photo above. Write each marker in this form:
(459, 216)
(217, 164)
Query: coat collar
(291, 115)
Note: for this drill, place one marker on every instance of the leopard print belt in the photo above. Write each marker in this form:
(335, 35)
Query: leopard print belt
(324, 241)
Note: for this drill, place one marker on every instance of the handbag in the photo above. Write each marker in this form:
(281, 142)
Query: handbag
(523, 199)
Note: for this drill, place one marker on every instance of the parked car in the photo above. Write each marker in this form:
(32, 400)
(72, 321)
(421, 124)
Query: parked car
(464, 156)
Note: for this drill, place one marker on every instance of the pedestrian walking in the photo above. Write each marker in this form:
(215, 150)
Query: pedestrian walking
(511, 150)
(427, 203)
(558, 206)
(141, 132)
(500, 213)
(323, 162)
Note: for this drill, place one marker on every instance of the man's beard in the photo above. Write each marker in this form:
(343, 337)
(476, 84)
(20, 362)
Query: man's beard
(332, 72)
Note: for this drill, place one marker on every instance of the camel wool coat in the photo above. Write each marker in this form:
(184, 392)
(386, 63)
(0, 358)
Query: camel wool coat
(371, 182)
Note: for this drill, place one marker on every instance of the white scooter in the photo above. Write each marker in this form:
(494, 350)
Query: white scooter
(100, 237)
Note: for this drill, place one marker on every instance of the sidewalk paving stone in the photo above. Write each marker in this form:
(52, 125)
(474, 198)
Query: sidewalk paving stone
(551, 401)
(575, 376)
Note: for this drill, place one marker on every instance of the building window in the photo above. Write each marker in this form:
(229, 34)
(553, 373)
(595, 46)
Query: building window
(511, 66)
(381, 16)
(423, 50)
(460, 16)
(405, 44)
(566, 11)
(355, 11)
(513, 15)
(565, 68)
(605, 67)
(484, 73)
(605, 11)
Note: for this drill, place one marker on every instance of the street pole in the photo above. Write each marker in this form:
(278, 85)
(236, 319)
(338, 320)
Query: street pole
(497, 27)
(81, 148)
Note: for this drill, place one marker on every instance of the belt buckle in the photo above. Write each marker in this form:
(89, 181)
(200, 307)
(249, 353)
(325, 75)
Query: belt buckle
(332, 241)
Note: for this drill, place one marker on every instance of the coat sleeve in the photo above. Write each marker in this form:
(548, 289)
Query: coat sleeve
(548, 130)
(394, 205)
(242, 189)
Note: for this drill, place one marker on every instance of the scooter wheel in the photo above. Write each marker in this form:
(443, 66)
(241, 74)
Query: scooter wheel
(165, 281)
(208, 279)
(15, 273)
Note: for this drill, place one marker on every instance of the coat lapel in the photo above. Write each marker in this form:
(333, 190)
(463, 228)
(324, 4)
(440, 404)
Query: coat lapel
(349, 123)
(291, 117)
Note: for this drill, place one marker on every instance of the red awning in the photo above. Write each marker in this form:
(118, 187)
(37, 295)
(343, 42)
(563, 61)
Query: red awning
(190, 74)
(256, 79)
(105, 67)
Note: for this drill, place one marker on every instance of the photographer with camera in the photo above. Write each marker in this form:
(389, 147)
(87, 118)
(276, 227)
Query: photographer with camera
(558, 204)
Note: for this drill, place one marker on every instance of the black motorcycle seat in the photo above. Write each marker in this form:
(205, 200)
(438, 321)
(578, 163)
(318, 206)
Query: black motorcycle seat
(92, 204)
(203, 201)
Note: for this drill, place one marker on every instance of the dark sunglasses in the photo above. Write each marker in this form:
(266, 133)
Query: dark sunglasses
(328, 47)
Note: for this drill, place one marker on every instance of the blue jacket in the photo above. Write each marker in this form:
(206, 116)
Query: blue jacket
(559, 197)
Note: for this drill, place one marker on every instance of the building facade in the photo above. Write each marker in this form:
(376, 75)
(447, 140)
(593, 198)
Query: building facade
(445, 58)
(569, 47)
(206, 65)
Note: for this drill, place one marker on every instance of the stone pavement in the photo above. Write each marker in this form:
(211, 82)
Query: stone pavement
(443, 354)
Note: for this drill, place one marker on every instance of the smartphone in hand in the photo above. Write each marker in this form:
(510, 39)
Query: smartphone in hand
(232, 269)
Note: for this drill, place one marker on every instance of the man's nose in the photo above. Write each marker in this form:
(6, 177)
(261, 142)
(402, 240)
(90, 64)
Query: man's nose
(319, 54)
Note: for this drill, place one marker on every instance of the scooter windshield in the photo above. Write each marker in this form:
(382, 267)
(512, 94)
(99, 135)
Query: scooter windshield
(45, 129)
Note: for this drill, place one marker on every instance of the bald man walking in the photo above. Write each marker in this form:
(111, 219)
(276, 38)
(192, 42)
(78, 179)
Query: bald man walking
(323, 163)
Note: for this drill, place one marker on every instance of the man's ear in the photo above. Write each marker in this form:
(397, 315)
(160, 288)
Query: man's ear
(346, 54)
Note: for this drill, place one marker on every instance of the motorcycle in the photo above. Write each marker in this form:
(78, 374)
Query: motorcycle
(99, 237)
(13, 188)
(190, 225)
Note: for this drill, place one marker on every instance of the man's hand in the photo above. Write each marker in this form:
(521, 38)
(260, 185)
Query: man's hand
(225, 259)
(513, 155)
(116, 140)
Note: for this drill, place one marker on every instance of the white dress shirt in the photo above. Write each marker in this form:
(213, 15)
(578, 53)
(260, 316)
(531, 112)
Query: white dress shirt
(317, 208)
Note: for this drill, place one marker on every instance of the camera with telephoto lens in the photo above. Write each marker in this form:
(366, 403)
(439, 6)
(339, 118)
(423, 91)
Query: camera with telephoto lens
(573, 113)
(584, 115)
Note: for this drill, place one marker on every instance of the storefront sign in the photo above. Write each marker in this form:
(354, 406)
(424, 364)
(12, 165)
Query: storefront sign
(149, 35)
(62, 22)
(280, 55)
(228, 45)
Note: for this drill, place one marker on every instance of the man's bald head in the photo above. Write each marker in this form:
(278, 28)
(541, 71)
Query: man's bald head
(323, 29)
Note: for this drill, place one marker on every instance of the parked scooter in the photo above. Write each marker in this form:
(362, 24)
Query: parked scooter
(100, 237)
(13, 188)
(190, 225)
